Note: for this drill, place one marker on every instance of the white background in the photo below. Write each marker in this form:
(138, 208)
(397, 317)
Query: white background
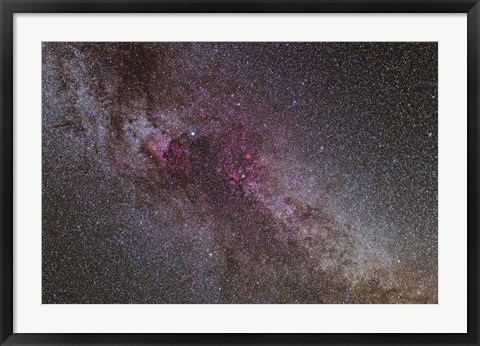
(30, 316)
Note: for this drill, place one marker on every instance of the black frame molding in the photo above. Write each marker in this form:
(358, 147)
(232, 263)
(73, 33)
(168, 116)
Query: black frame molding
(9, 7)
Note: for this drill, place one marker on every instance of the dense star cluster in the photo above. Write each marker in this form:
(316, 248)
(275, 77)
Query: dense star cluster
(239, 173)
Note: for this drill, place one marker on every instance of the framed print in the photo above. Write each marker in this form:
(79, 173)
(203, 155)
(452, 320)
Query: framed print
(239, 173)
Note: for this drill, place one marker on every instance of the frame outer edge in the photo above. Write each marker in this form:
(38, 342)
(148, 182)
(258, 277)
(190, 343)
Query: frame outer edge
(6, 168)
(473, 104)
(6, 172)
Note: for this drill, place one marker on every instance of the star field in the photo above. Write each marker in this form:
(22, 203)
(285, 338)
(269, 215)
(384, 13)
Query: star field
(239, 173)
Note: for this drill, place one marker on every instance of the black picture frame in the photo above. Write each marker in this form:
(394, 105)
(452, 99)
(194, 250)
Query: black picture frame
(9, 8)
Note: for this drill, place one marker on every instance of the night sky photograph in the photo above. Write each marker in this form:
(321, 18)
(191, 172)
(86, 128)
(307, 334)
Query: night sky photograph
(239, 173)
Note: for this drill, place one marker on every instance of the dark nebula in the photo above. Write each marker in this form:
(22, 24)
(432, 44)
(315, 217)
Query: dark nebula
(239, 173)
